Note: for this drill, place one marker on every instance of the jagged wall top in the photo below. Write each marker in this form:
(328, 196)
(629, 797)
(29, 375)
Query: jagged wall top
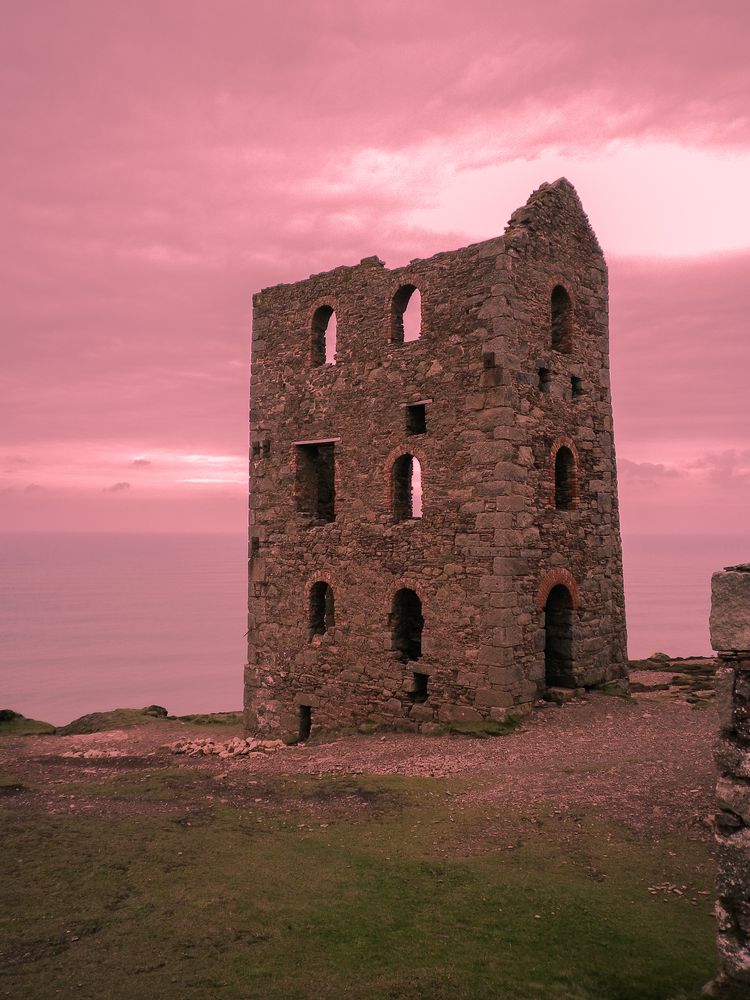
(545, 201)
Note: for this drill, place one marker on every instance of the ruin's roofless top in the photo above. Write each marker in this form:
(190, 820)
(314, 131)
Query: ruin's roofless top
(520, 222)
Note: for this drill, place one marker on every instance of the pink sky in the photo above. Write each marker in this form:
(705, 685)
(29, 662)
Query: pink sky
(163, 160)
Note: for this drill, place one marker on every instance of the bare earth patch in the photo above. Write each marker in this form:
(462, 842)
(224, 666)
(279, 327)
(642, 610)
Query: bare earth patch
(645, 763)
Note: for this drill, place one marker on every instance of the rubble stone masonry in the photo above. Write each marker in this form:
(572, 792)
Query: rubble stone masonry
(730, 637)
(366, 609)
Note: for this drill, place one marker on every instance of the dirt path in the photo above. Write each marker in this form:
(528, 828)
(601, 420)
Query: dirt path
(645, 763)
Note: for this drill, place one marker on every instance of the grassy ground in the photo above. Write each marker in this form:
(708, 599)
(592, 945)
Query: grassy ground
(15, 724)
(340, 886)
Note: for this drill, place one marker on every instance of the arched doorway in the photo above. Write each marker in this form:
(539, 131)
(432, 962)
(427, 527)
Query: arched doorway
(406, 623)
(558, 638)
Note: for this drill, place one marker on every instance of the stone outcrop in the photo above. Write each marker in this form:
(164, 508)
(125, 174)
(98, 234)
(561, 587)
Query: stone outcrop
(730, 637)
(434, 529)
(235, 747)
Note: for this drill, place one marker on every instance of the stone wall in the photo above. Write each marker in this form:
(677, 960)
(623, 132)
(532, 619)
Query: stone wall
(508, 386)
(730, 637)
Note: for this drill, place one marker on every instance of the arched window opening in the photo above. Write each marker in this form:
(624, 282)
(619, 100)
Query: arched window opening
(406, 622)
(407, 488)
(558, 638)
(324, 336)
(565, 479)
(321, 608)
(406, 315)
(561, 320)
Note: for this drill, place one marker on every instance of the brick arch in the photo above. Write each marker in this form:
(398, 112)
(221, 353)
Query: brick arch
(400, 583)
(552, 578)
(557, 444)
(404, 449)
(566, 281)
(322, 300)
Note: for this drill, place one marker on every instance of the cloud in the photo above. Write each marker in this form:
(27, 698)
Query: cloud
(117, 488)
(13, 463)
(645, 472)
(231, 146)
(33, 489)
(729, 469)
(679, 356)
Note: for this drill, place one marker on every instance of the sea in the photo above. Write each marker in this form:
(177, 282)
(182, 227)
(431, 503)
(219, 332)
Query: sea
(91, 622)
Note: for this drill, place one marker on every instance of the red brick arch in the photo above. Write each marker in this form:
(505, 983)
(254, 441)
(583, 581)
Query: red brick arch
(323, 300)
(553, 578)
(565, 281)
(401, 583)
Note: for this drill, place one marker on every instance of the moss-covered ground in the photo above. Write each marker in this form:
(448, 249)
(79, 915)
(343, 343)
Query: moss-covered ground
(300, 887)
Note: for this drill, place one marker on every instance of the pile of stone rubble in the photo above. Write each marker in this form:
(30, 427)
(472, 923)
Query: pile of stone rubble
(236, 747)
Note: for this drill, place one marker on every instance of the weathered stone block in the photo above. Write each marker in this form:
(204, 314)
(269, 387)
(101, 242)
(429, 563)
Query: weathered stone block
(734, 794)
(458, 713)
(492, 697)
(730, 609)
(732, 758)
(724, 682)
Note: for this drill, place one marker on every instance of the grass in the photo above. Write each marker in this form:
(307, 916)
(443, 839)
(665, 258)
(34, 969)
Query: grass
(122, 718)
(614, 691)
(484, 728)
(343, 887)
(99, 722)
(14, 724)
(214, 719)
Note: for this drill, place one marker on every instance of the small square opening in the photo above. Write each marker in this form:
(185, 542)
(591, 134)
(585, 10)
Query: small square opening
(305, 722)
(418, 693)
(416, 419)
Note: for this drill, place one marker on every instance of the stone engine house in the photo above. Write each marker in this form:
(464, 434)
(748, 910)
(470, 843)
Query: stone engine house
(434, 529)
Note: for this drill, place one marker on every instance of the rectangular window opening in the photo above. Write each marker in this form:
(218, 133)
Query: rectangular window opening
(576, 386)
(266, 448)
(254, 546)
(416, 419)
(256, 449)
(545, 380)
(418, 693)
(305, 722)
(488, 359)
(315, 492)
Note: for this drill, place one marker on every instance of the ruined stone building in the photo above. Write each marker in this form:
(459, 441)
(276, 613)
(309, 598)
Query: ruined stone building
(434, 530)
